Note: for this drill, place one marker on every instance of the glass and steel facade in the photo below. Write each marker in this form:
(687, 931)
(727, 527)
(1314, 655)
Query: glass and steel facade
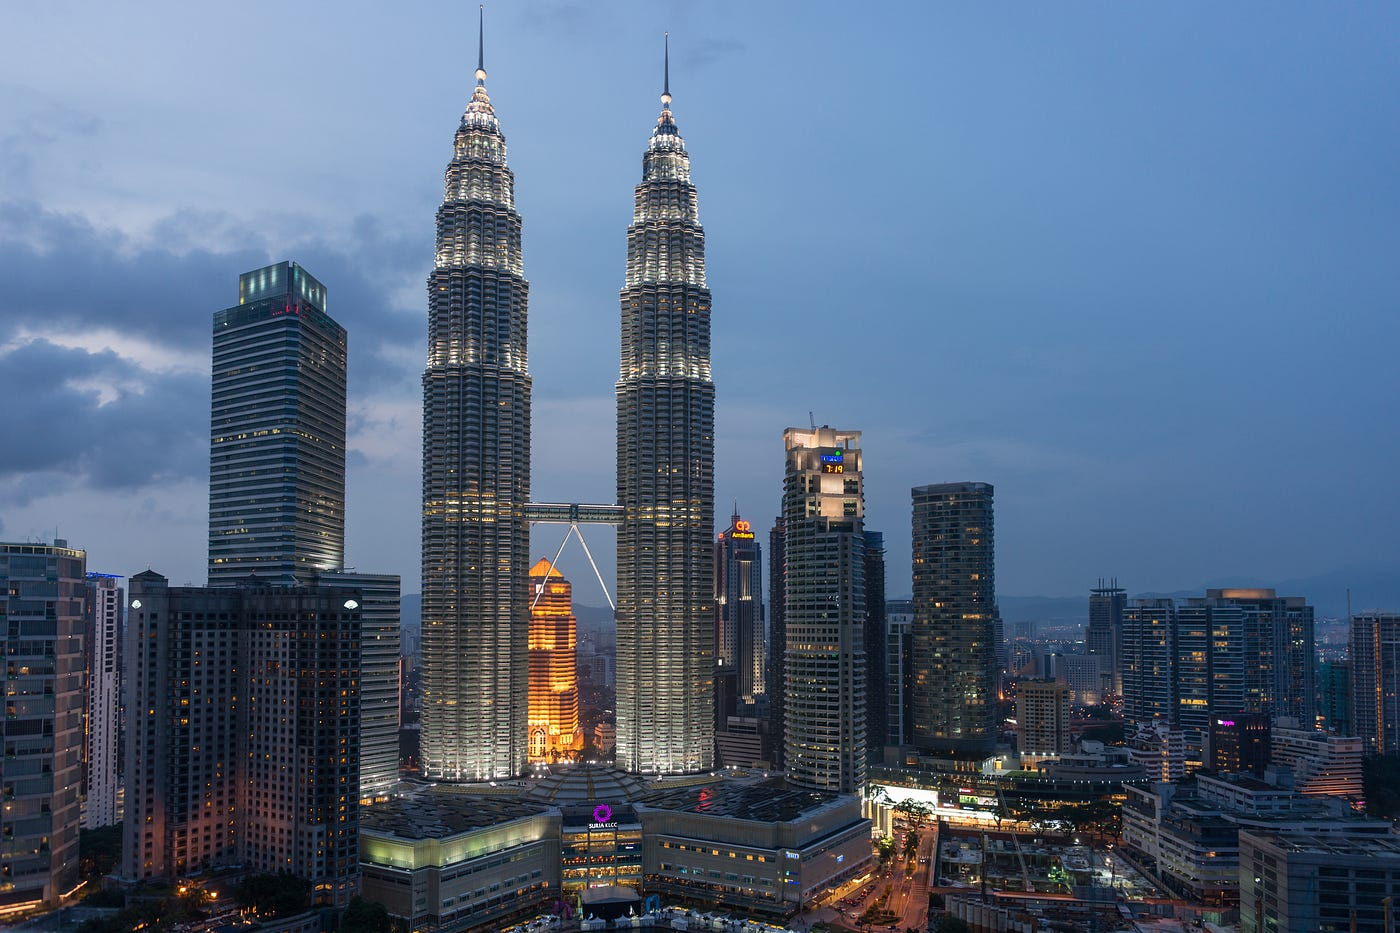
(740, 640)
(476, 468)
(824, 596)
(665, 474)
(277, 436)
(42, 588)
(953, 633)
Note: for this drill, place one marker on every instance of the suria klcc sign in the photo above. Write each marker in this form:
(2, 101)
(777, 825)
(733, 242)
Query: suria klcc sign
(603, 818)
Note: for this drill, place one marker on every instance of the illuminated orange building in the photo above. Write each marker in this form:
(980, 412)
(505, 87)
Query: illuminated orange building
(554, 730)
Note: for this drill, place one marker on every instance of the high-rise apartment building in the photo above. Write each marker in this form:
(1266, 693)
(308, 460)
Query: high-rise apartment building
(102, 719)
(1232, 651)
(1103, 637)
(1147, 661)
(876, 685)
(777, 637)
(824, 596)
(665, 473)
(1375, 681)
(277, 436)
(741, 641)
(1042, 713)
(899, 672)
(379, 676)
(554, 727)
(476, 467)
(42, 588)
(245, 737)
(1334, 696)
(954, 609)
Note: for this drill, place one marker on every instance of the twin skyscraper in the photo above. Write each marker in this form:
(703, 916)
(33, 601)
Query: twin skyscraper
(476, 470)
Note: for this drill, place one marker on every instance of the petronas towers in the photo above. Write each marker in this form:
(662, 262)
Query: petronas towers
(476, 467)
(476, 470)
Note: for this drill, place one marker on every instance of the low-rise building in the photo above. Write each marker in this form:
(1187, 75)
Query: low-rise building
(1188, 834)
(1293, 883)
(1322, 764)
(468, 858)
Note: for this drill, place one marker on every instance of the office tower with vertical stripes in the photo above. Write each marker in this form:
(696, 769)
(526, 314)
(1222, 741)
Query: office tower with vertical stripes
(665, 473)
(824, 593)
(476, 466)
(277, 435)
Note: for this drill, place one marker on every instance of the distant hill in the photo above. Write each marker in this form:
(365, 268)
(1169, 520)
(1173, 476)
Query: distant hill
(1371, 588)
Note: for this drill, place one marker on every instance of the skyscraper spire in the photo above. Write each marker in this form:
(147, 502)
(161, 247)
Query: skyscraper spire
(666, 76)
(481, 46)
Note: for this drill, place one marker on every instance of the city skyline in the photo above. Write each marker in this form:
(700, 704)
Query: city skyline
(1130, 361)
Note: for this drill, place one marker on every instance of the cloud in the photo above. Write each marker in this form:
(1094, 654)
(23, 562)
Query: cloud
(105, 339)
(78, 418)
(65, 276)
(709, 51)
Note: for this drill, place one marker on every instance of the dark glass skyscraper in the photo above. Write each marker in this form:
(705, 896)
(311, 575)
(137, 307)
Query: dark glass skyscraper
(954, 612)
(277, 438)
(740, 639)
(665, 474)
(476, 467)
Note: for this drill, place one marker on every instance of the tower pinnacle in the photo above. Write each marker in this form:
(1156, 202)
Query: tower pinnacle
(666, 76)
(481, 46)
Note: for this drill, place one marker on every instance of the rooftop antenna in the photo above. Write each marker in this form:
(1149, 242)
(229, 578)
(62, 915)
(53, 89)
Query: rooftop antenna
(812, 418)
(666, 74)
(481, 46)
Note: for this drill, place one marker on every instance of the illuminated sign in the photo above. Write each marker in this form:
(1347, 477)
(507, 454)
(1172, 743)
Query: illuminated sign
(835, 456)
(602, 813)
(834, 467)
(742, 529)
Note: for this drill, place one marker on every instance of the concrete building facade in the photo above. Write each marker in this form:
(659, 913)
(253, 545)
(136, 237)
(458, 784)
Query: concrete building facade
(232, 690)
(105, 605)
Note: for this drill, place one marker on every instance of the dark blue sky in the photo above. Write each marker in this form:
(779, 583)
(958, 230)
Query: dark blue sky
(1134, 265)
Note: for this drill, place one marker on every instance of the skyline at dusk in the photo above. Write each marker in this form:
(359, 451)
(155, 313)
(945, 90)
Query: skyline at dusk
(1132, 267)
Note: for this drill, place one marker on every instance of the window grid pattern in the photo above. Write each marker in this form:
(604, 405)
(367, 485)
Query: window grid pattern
(665, 475)
(476, 468)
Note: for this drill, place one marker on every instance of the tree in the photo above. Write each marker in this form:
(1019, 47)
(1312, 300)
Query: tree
(277, 895)
(1380, 777)
(363, 917)
(950, 924)
(911, 845)
(885, 846)
(100, 850)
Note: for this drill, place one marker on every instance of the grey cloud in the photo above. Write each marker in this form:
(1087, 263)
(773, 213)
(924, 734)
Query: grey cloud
(57, 433)
(60, 271)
